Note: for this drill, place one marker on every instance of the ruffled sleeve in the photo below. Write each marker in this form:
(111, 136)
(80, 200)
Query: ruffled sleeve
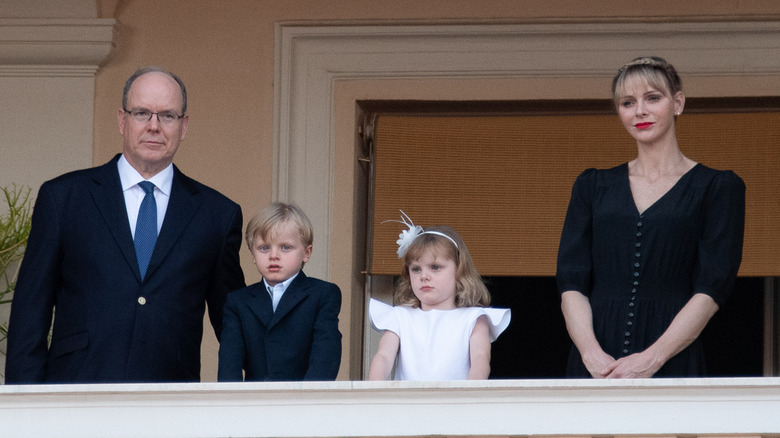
(499, 320)
(383, 316)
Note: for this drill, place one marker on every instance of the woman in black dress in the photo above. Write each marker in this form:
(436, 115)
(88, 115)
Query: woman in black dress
(650, 249)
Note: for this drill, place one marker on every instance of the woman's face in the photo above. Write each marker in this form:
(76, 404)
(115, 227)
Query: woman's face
(648, 113)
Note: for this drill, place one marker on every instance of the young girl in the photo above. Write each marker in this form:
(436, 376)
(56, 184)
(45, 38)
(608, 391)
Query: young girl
(441, 329)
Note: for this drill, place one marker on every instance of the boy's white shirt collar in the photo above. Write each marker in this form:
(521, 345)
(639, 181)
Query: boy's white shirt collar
(284, 285)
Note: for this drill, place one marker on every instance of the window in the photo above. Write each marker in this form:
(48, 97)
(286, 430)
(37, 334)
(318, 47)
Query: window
(501, 174)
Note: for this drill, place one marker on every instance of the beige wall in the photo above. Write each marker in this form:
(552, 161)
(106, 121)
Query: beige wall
(224, 52)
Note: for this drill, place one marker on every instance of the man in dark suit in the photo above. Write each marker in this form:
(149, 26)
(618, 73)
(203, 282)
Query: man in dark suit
(285, 327)
(124, 257)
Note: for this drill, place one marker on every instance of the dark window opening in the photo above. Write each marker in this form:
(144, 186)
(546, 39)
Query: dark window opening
(536, 344)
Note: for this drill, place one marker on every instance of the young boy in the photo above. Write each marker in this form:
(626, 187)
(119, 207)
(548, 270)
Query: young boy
(286, 326)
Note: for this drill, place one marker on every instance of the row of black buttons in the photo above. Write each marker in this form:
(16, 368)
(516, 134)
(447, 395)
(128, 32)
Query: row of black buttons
(635, 286)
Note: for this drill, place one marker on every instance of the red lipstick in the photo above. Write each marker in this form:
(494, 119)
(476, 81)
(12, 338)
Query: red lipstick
(643, 125)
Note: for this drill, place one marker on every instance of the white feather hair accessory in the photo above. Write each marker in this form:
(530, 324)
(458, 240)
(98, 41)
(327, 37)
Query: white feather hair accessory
(406, 237)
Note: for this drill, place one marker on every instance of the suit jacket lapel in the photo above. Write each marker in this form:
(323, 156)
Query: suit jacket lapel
(182, 206)
(109, 200)
(295, 293)
(260, 304)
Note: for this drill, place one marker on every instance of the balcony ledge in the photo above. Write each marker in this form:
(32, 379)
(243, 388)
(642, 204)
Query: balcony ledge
(734, 406)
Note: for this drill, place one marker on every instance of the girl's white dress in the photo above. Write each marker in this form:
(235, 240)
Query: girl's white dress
(434, 343)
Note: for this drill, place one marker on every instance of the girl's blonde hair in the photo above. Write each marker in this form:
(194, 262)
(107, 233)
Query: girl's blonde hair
(470, 291)
(653, 70)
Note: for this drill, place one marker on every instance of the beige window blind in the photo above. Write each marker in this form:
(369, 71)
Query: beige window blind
(504, 182)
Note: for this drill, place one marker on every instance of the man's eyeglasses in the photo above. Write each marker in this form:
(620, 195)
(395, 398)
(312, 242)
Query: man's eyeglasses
(164, 117)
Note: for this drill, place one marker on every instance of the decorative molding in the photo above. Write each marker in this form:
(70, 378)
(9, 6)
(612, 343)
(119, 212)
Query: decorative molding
(54, 47)
(643, 407)
(309, 59)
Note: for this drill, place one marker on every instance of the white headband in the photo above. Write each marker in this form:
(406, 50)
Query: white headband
(406, 237)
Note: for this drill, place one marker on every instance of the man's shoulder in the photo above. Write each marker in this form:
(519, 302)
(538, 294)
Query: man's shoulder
(79, 176)
(196, 187)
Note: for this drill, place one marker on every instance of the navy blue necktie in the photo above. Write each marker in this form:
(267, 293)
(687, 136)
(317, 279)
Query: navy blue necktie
(146, 228)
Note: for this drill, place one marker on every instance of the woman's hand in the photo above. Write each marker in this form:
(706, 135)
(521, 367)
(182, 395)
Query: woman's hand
(598, 363)
(635, 366)
(579, 322)
(683, 330)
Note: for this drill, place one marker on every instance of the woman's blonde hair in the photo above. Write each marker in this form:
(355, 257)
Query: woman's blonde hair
(470, 291)
(654, 71)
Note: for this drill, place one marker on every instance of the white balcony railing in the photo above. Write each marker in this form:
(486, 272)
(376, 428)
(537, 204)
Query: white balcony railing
(742, 406)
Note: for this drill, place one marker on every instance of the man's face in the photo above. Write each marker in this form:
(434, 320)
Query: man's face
(149, 146)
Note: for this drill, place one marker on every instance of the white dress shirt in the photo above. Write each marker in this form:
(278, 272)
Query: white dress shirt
(277, 291)
(134, 194)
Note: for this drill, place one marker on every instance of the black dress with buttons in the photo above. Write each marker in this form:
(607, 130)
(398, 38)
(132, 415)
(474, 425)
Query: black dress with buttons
(639, 270)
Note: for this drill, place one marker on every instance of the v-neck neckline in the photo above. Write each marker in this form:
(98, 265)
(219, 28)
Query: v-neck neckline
(657, 201)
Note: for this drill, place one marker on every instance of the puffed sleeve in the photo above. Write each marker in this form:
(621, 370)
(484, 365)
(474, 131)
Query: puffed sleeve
(383, 316)
(720, 247)
(575, 249)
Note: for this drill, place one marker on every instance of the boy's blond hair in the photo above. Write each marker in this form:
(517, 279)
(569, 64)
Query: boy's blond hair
(277, 213)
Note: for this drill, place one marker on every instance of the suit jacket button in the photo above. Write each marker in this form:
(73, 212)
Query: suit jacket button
(141, 300)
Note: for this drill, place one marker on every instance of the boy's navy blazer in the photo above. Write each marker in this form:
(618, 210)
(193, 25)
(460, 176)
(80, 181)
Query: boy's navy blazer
(300, 341)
